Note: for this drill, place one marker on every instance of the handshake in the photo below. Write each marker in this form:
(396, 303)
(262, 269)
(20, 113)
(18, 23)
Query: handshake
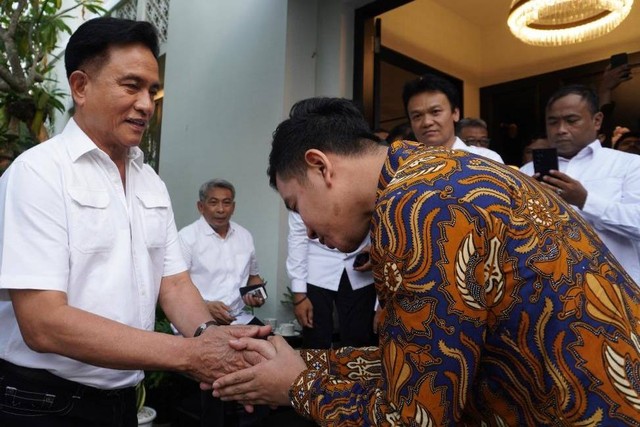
(248, 365)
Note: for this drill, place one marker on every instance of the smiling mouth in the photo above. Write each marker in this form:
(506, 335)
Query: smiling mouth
(138, 122)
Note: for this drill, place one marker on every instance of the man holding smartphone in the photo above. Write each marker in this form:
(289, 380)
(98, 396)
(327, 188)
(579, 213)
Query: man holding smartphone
(220, 255)
(601, 183)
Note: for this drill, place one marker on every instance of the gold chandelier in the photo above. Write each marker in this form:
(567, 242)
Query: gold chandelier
(561, 22)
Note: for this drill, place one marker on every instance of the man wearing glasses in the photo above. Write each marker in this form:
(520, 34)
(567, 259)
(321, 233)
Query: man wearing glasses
(474, 132)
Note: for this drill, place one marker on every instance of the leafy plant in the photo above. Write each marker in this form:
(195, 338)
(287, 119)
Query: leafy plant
(29, 31)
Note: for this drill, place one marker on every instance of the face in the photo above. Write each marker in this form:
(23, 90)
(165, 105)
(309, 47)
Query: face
(570, 125)
(115, 102)
(527, 153)
(630, 144)
(432, 119)
(475, 135)
(217, 209)
(331, 213)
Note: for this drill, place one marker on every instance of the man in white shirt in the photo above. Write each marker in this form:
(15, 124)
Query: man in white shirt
(432, 105)
(473, 131)
(220, 255)
(321, 277)
(88, 246)
(221, 259)
(602, 184)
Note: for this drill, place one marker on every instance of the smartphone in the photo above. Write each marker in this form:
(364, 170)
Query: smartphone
(544, 159)
(257, 290)
(619, 59)
(361, 259)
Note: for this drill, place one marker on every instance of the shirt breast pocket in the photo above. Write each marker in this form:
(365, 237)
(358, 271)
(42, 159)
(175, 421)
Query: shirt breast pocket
(155, 208)
(90, 227)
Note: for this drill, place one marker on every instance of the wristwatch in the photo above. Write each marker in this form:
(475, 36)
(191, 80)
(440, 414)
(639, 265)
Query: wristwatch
(203, 327)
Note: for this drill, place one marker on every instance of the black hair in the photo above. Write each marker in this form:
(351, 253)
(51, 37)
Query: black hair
(92, 39)
(630, 134)
(332, 125)
(402, 131)
(583, 91)
(430, 83)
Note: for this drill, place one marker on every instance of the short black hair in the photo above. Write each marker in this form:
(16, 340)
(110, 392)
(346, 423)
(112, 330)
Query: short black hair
(332, 125)
(401, 132)
(430, 83)
(92, 39)
(630, 134)
(585, 92)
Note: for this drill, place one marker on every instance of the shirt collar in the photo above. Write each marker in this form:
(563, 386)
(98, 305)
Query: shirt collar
(80, 144)
(589, 150)
(207, 230)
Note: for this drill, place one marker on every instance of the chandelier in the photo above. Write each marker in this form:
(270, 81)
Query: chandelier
(562, 22)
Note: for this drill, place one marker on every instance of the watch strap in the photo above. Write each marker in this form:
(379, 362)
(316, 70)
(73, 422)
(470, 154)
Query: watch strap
(200, 329)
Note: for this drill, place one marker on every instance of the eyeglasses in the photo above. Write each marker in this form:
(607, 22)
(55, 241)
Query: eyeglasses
(478, 141)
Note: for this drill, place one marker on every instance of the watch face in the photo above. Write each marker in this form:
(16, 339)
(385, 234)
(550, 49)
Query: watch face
(202, 328)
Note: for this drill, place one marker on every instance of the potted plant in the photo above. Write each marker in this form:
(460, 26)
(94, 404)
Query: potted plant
(146, 415)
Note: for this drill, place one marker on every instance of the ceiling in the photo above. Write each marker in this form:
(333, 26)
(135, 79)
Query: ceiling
(471, 39)
(477, 11)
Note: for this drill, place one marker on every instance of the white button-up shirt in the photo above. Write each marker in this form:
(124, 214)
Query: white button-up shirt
(481, 151)
(219, 266)
(309, 261)
(612, 180)
(66, 224)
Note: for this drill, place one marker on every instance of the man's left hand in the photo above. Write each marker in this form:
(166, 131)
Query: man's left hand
(567, 188)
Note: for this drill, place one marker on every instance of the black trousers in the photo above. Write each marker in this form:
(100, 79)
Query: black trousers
(37, 398)
(355, 315)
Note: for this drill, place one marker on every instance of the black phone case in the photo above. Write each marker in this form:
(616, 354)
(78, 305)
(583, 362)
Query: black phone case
(245, 289)
(619, 59)
(544, 159)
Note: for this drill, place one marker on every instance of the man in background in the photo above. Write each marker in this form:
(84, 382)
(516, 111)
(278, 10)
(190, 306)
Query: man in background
(473, 131)
(432, 105)
(601, 183)
(221, 256)
(221, 259)
(88, 246)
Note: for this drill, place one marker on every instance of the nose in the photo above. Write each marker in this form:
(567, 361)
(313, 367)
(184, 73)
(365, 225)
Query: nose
(145, 103)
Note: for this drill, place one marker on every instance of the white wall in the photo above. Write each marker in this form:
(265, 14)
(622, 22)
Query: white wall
(224, 92)
(233, 71)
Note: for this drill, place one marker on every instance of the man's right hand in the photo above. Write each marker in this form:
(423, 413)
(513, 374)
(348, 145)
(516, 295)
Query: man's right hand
(220, 312)
(214, 357)
(304, 310)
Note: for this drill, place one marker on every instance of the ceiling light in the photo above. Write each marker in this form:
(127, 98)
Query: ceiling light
(562, 22)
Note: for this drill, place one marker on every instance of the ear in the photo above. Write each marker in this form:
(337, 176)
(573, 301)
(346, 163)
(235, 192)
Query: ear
(455, 114)
(318, 164)
(597, 120)
(200, 207)
(78, 84)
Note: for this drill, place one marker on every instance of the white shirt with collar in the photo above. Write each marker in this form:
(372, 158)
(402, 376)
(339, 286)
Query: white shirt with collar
(481, 151)
(219, 266)
(612, 180)
(66, 224)
(309, 261)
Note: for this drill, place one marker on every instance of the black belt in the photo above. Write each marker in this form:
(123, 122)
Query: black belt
(44, 377)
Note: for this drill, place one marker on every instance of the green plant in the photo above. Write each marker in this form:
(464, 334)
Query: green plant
(29, 31)
(288, 298)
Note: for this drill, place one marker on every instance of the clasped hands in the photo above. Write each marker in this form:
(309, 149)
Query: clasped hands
(274, 367)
